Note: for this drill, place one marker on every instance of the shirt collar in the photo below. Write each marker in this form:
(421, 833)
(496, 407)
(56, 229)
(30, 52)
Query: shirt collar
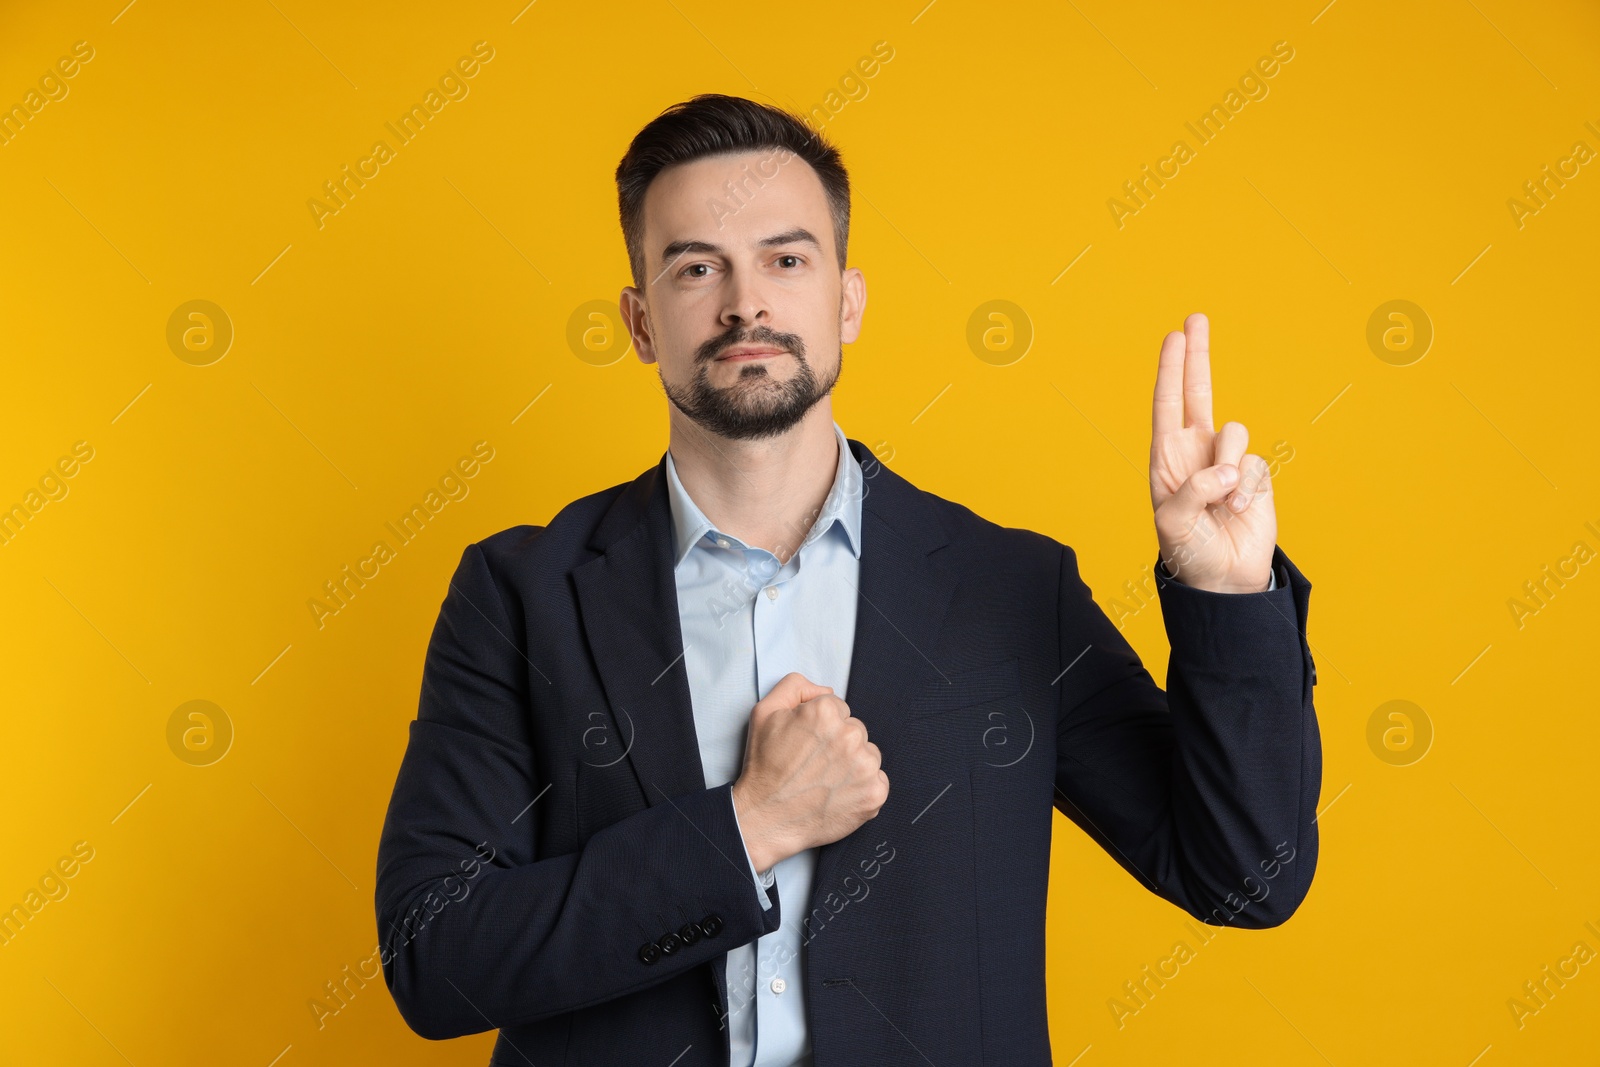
(842, 505)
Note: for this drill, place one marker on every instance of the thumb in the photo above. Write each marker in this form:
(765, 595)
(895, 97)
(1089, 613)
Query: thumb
(792, 690)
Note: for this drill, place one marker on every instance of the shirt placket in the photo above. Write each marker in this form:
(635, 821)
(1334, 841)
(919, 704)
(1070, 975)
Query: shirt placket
(778, 977)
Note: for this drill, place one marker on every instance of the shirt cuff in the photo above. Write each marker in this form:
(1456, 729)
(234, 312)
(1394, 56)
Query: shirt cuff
(762, 880)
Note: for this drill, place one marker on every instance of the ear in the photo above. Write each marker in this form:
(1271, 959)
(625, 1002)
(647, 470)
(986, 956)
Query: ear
(852, 304)
(637, 318)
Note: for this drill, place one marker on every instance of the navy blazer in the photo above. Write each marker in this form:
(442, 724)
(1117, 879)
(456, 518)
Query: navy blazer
(553, 866)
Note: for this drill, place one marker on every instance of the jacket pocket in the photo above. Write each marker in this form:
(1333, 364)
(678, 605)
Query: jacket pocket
(963, 689)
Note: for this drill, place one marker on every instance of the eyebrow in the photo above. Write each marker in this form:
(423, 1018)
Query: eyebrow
(798, 235)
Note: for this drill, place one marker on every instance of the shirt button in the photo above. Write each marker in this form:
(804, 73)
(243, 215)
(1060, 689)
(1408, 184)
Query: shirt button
(779, 985)
(772, 592)
(722, 542)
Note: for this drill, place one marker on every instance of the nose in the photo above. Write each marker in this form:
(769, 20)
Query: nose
(745, 304)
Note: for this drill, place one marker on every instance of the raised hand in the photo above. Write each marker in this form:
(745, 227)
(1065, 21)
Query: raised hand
(1215, 520)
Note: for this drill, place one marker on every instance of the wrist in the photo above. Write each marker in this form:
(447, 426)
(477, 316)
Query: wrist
(758, 842)
(1165, 573)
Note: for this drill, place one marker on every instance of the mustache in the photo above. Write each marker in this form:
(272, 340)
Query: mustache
(761, 335)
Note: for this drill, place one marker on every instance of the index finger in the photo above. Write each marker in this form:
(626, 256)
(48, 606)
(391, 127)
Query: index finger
(792, 690)
(1167, 414)
(1197, 371)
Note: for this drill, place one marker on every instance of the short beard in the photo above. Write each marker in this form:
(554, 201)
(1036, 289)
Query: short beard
(756, 405)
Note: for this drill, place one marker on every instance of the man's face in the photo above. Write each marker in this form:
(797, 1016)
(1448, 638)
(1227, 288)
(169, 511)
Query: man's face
(744, 307)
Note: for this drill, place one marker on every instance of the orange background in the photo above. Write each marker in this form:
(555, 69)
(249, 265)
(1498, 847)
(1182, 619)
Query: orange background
(447, 303)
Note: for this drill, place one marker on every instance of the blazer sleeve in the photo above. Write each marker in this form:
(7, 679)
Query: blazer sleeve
(1205, 792)
(477, 929)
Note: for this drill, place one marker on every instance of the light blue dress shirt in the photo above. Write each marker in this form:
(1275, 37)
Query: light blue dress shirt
(747, 621)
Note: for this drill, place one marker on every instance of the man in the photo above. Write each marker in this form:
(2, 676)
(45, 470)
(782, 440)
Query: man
(752, 760)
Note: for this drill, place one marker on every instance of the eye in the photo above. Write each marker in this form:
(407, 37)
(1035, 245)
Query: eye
(693, 266)
(796, 259)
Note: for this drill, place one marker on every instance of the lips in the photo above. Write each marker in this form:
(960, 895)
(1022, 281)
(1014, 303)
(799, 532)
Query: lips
(749, 353)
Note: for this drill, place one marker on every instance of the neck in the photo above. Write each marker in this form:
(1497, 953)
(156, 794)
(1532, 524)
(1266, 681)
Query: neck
(767, 493)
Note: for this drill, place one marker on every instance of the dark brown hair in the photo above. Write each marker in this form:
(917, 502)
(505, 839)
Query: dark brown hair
(712, 124)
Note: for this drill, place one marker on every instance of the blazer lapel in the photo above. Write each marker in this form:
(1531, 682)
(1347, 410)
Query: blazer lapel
(628, 600)
(902, 601)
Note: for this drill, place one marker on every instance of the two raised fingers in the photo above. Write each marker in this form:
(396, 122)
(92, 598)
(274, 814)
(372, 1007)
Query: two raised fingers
(1183, 378)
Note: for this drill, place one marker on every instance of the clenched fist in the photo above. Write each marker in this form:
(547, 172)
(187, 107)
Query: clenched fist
(810, 775)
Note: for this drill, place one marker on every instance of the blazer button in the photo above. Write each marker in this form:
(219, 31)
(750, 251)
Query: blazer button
(691, 933)
(711, 925)
(649, 952)
(670, 944)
